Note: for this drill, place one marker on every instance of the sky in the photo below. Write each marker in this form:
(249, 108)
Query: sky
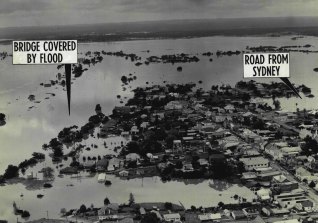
(67, 12)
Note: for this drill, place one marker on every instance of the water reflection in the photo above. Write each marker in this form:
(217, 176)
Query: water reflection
(219, 185)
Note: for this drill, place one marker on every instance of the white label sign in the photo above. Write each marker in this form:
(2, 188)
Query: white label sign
(266, 65)
(44, 52)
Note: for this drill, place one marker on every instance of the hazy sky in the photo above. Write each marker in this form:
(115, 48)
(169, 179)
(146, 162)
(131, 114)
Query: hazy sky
(64, 12)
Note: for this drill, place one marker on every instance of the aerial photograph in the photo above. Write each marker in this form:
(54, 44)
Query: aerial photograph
(157, 121)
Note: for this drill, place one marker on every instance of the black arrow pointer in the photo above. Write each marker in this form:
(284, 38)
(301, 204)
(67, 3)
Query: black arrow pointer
(68, 71)
(287, 82)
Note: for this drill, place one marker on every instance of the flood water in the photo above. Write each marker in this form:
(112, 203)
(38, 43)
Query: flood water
(26, 131)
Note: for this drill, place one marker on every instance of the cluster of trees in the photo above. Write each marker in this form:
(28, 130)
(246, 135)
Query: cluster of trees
(181, 88)
(310, 146)
(68, 134)
(305, 89)
(94, 120)
(220, 53)
(148, 145)
(85, 129)
(17, 211)
(93, 60)
(172, 58)
(26, 163)
(265, 107)
(133, 57)
(98, 118)
(57, 147)
(38, 156)
(255, 123)
(140, 95)
(82, 209)
(32, 161)
(78, 70)
(11, 172)
(249, 85)
(126, 80)
(223, 170)
(71, 134)
(25, 214)
(219, 98)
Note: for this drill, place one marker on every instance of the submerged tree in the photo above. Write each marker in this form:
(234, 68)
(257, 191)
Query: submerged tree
(106, 201)
(25, 214)
(11, 172)
(276, 104)
(131, 199)
(2, 119)
(82, 209)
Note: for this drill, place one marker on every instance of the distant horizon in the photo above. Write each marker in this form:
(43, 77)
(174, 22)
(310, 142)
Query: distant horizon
(43, 13)
(162, 20)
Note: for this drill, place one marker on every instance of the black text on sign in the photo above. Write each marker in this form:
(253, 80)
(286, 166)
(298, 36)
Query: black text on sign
(266, 65)
(44, 52)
